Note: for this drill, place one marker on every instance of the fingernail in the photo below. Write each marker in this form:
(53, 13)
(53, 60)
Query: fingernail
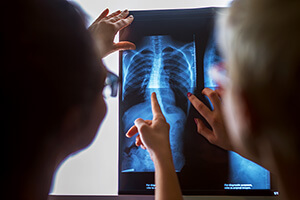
(195, 120)
(126, 10)
(131, 16)
(189, 94)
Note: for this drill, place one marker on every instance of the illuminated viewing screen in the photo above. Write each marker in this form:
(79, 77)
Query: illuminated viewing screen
(175, 51)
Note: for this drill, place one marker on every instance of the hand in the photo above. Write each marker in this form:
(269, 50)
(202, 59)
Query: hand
(218, 135)
(153, 134)
(105, 28)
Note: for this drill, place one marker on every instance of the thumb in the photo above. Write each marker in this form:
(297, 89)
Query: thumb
(123, 46)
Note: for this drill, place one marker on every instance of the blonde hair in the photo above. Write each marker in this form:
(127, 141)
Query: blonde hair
(261, 45)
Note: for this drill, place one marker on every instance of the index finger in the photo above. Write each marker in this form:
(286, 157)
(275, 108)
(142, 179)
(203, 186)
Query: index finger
(200, 107)
(156, 110)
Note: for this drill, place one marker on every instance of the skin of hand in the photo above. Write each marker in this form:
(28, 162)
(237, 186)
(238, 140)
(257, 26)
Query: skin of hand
(218, 135)
(154, 136)
(105, 28)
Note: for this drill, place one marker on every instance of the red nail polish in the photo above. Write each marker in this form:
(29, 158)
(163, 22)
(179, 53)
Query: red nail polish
(195, 120)
(189, 94)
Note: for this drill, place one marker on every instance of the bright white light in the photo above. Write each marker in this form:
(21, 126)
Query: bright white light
(93, 7)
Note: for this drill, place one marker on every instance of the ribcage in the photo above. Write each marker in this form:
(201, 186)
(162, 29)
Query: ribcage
(135, 80)
(177, 71)
(166, 67)
(159, 64)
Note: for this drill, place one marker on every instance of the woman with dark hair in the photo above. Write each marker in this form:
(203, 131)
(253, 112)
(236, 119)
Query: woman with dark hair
(52, 80)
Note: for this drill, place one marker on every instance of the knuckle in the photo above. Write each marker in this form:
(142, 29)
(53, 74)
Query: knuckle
(122, 21)
(211, 140)
(206, 90)
(200, 106)
(214, 121)
(106, 24)
(209, 92)
(143, 128)
(213, 94)
(111, 27)
(159, 118)
(117, 18)
(103, 22)
(123, 14)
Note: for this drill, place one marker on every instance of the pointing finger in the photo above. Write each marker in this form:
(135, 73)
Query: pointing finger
(200, 107)
(213, 96)
(156, 110)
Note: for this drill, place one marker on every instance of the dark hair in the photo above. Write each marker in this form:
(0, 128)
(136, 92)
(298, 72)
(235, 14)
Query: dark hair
(48, 66)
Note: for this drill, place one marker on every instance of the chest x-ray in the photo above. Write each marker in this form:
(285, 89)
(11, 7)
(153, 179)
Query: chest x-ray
(167, 67)
(176, 50)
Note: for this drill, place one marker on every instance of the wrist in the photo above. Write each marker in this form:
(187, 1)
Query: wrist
(162, 155)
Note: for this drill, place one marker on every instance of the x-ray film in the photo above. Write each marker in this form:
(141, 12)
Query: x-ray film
(175, 51)
(166, 67)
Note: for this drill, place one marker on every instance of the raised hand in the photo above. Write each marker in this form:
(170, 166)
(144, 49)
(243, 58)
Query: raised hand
(104, 29)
